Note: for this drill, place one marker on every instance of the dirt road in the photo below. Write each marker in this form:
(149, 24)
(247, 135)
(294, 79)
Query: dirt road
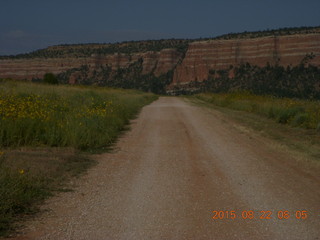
(177, 165)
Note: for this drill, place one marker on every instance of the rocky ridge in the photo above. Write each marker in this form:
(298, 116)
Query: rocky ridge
(204, 56)
(173, 62)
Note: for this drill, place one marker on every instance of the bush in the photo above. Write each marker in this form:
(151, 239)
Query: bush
(300, 119)
(287, 114)
(50, 78)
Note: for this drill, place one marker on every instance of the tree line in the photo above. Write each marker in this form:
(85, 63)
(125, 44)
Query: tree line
(86, 50)
(130, 77)
(302, 81)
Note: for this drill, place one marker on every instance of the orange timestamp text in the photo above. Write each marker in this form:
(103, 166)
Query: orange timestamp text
(249, 214)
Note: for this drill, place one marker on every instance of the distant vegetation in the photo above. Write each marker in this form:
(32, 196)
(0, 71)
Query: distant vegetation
(271, 32)
(301, 81)
(131, 47)
(86, 50)
(128, 78)
(295, 82)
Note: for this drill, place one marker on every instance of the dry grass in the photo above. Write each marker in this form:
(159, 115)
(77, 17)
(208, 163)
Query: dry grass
(29, 175)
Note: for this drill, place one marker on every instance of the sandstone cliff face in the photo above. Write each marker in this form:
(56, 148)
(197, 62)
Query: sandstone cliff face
(220, 54)
(156, 62)
(199, 59)
(36, 68)
(168, 59)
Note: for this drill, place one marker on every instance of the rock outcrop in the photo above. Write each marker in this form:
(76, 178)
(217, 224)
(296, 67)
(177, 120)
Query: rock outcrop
(204, 56)
(37, 67)
(153, 62)
(181, 66)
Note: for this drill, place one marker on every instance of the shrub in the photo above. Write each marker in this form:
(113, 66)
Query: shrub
(300, 119)
(287, 114)
(50, 78)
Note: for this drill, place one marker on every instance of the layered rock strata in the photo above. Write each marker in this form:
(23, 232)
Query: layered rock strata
(153, 62)
(204, 56)
(200, 58)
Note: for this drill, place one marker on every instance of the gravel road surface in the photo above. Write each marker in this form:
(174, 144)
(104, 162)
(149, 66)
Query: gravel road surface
(177, 165)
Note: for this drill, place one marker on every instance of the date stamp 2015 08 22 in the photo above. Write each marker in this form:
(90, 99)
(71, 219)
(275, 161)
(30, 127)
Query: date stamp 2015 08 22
(249, 214)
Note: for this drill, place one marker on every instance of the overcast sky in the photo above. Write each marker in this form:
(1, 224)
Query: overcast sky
(27, 25)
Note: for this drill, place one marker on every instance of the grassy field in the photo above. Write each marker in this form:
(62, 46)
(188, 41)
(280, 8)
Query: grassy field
(293, 125)
(80, 117)
(294, 112)
(46, 134)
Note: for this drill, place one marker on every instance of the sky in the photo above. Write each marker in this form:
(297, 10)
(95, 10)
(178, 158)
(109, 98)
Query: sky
(28, 25)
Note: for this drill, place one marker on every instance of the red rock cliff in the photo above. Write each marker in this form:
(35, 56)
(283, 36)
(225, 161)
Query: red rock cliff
(36, 68)
(157, 62)
(220, 54)
(199, 59)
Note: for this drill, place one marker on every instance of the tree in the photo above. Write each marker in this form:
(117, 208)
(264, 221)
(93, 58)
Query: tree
(50, 78)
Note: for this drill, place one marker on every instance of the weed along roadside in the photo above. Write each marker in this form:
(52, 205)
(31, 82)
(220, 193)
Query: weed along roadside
(293, 123)
(46, 134)
(294, 112)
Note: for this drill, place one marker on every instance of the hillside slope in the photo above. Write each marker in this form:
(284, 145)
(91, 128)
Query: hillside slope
(166, 64)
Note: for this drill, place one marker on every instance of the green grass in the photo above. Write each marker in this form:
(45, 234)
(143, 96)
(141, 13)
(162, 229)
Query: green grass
(46, 133)
(290, 124)
(65, 116)
(294, 112)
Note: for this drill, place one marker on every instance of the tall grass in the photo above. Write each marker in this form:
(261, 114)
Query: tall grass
(45, 116)
(80, 117)
(295, 112)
